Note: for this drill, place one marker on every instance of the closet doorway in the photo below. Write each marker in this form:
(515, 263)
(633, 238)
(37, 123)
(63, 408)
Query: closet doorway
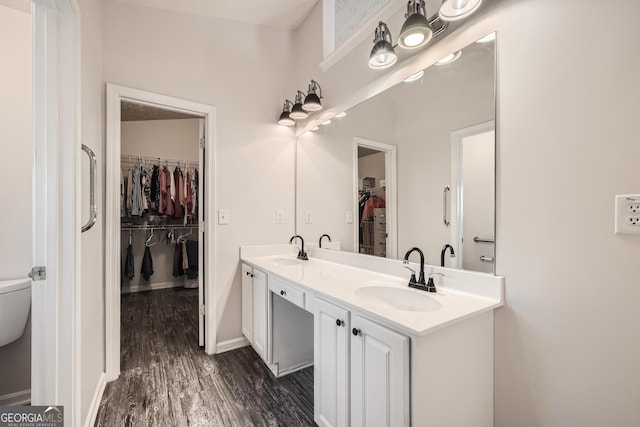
(160, 170)
(375, 198)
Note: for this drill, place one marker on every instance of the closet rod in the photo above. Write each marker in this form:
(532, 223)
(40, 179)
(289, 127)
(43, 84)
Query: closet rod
(134, 158)
(157, 227)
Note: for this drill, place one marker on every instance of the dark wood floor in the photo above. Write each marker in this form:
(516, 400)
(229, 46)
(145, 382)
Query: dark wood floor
(167, 380)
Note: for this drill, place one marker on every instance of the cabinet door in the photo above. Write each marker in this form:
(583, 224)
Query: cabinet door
(379, 375)
(260, 313)
(247, 302)
(331, 364)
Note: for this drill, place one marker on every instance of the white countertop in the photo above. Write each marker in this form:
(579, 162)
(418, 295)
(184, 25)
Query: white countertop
(338, 282)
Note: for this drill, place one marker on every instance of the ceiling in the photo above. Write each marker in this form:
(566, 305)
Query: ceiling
(23, 5)
(277, 13)
(130, 112)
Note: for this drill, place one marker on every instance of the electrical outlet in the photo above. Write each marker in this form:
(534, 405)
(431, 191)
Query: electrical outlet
(627, 214)
(279, 216)
(307, 218)
(633, 208)
(632, 221)
(223, 217)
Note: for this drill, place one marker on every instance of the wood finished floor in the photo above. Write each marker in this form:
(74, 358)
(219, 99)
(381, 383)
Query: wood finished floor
(167, 380)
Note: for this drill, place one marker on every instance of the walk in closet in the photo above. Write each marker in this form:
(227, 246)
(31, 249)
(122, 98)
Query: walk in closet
(161, 206)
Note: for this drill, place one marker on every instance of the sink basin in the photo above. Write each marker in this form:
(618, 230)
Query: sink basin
(287, 261)
(398, 298)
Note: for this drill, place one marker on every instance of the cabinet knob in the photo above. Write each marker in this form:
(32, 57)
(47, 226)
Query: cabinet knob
(248, 273)
(252, 275)
(339, 322)
(356, 332)
(283, 293)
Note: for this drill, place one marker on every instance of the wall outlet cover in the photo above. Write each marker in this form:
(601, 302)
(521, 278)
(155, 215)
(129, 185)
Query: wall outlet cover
(223, 216)
(279, 216)
(308, 219)
(349, 217)
(627, 214)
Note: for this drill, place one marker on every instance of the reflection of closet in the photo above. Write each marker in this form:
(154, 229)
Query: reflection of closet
(160, 204)
(373, 222)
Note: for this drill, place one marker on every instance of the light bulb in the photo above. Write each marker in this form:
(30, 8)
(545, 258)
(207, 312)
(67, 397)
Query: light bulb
(414, 39)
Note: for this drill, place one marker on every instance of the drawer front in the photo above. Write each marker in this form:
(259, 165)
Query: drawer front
(380, 218)
(291, 294)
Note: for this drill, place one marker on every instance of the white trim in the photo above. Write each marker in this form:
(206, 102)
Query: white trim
(232, 344)
(390, 166)
(151, 287)
(56, 340)
(95, 401)
(115, 95)
(19, 398)
(365, 31)
(456, 208)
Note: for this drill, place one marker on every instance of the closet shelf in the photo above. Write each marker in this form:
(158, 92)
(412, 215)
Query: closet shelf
(132, 159)
(156, 227)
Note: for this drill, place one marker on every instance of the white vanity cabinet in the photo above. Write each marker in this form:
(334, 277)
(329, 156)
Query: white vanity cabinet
(247, 302)
(259, 313)
(331, 365)
(379, 375)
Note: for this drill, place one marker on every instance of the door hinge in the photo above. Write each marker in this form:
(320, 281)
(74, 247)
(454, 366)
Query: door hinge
(38, 273)
(202, 143)
(201, 227)
(202, 310)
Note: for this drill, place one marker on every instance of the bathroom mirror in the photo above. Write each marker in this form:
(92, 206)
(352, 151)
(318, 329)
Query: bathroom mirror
(411, 166)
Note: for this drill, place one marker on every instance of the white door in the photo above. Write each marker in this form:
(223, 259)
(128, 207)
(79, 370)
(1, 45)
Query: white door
(201, 237)
(331, 365)
(247, 302)
(260, 313)
(379, 375)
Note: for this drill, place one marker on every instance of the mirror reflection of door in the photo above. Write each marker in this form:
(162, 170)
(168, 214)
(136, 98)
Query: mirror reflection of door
(476, 194)
(372, 201)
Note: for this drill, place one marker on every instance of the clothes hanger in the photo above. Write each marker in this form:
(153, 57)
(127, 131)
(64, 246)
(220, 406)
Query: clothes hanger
(148, 242)
(183, 236)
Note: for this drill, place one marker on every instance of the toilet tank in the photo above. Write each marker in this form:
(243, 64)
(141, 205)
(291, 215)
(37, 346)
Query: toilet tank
(15, 302)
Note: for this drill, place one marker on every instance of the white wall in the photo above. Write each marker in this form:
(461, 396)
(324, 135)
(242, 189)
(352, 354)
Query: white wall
(243, 71)
(91, 286)
(16, 147)
(372, 166)
(566, 344)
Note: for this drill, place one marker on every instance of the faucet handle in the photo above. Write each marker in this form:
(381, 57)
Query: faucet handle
(412, 280)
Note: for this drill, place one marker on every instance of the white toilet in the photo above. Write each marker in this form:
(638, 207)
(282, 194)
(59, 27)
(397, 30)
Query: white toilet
(15, 301)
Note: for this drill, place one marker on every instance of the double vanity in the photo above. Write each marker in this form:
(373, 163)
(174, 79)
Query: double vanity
(384, 354)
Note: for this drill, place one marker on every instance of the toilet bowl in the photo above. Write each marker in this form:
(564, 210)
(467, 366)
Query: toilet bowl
(15, 301)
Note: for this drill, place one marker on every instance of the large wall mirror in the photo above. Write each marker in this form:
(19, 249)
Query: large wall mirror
(412, 166)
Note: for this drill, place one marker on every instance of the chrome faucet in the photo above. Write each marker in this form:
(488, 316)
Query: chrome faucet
(320, 241)
(301, 253)
(420, 284)
(444, 251)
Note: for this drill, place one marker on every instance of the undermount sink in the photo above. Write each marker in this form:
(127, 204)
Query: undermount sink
(287, 261)
(397, 298)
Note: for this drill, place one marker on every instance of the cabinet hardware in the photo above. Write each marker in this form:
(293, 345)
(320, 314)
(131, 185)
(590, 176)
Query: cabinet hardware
(339, 322)
(283, 293)
(444, 206)
(252, 275)
(248, 274)
(356, 331)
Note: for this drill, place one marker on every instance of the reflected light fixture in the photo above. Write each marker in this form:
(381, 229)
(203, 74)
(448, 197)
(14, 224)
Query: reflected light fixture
(297, 112)
(416, 31)
(453, 10)
(449, 58)
(488, 38)
(414, 77)
(315, 128)
(340, 115)
(314, 95)
(285, 117)
(383, 54)
(326, 122)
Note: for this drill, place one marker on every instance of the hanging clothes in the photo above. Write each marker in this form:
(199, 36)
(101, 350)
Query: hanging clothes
(129, 192)
(189, 198)
(177, 261)
(136, 204)
(147, 264)
(192, 253)
(168, 208)
(129, 266)
(123, 209)
(145, 180)
(154, 189)
(178, 212)
(370, 205)
(185, 257)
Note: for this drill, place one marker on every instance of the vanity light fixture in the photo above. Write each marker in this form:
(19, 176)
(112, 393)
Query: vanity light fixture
(315, 128)
(297, 112)
(326, 122)
(454, 10)
(341, 115)
(414, 77)
(416, 30)
(383, 55)
(285, 117)
(314, 95)
(449, 58)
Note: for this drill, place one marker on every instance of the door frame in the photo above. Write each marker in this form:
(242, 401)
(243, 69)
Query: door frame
(56, 316)
(390, 166)
(457, 190)
(115, 95)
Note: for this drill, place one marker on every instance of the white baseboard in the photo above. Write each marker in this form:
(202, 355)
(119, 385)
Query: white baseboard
(151, 287)
(19, 398)
(231, 345)
(95, 401)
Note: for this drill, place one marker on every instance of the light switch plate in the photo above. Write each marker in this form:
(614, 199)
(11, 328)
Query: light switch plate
(308, 219)
(349, 217)
(223, 216)
(627, 214)
(279, 216)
